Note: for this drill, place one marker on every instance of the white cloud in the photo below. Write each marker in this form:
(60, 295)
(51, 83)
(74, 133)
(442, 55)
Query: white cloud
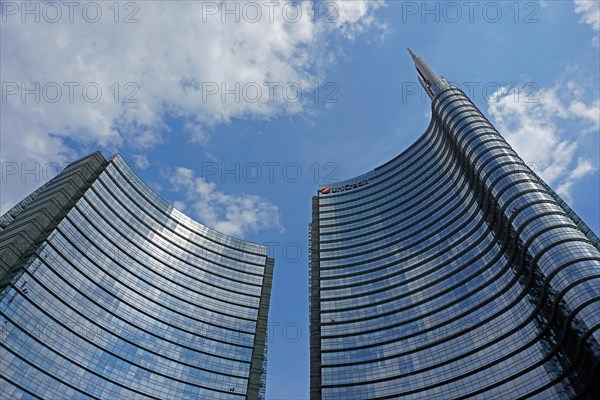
(165, 65)
(179, 205)
(141, 161)
(590, 14)
(534, 128)
(583, 168)
(235, 215)
(355, 17)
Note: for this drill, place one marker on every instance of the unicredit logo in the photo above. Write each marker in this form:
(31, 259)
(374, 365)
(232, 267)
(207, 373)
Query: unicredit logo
(350, 186)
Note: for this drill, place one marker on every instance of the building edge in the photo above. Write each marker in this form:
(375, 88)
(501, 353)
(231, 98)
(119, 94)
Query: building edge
(314, 302)
(258, 368)
(27, 225)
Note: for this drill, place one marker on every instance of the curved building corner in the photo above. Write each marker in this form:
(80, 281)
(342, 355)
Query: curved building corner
(108, 292)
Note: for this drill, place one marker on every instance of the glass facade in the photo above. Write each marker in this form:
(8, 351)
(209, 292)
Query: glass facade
(452, 271)
(108, 292)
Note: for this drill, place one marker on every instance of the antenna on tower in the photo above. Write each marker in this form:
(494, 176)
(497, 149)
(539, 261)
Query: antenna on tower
(426, 76)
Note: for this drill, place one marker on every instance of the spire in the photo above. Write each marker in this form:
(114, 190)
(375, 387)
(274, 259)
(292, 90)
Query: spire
(426, 76)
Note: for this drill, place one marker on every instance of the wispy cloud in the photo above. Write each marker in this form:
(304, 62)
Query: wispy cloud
(583, 168)
(235, 215)
(141, 161)
(534, 128)
(356, 17)
(590, 14)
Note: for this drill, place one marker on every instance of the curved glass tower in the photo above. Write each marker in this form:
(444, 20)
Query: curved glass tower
(108, 292)
(452, 271)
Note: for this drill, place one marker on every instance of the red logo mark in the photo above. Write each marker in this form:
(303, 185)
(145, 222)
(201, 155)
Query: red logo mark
(325, 190)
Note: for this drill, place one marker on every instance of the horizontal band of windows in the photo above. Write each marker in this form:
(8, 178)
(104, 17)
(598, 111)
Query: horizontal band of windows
(569, 369)
(164, 227)
(363, 332)
(428, 251)
(436, 295)
(73, 333)
(423, 178)
(141, 311)
(447, 96)
(393, 163)
(445, 111)
(431, 282)
(100, 217)
(429, 214)
(81, 366)
(111, 241)
(331, 267)
(12, 388)
(479, 136)
(346, 197)
(460, 118)
(86, 254)
(437, 150)
(165, 208)
(418, 317)
(421, 207)
(432, 248)
(43, 371)
(516, 329)
(543, 194)
(423, 274)
(137, 327)
(135, 243)
(110, 188)
(492, 176)
(91, 371)
(415, 269)
(494, 153)
(400, 191)
(442, 362)
(552, 353)
(459, 113)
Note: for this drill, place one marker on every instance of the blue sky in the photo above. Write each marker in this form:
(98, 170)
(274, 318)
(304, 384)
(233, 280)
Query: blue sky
(250, 167)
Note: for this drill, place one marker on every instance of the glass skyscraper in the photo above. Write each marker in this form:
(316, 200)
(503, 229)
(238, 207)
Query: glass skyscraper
(452, 271)
(108, 292)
